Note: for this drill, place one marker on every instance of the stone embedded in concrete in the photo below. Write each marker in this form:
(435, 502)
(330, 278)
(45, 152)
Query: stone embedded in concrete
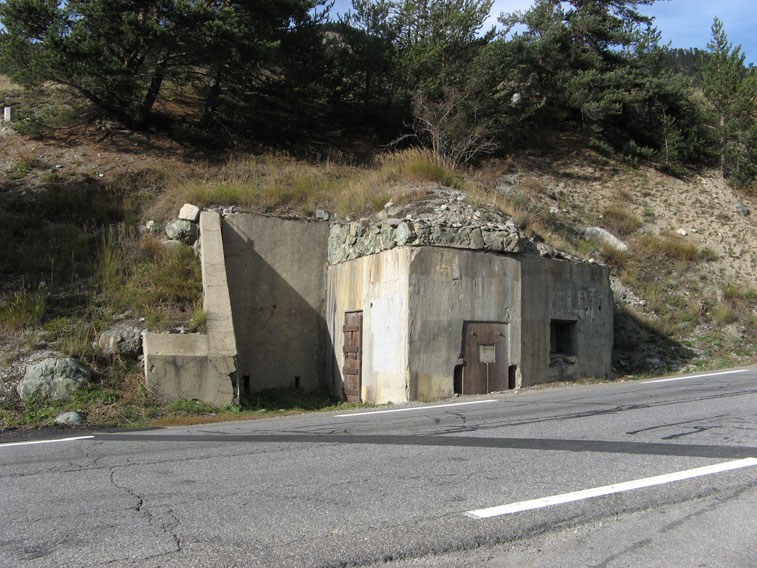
(387, 237)
(53, 378)
(403, 234)
(476, 239)
(190, 213)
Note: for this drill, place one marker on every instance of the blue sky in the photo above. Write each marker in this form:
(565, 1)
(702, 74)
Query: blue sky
(684, 23)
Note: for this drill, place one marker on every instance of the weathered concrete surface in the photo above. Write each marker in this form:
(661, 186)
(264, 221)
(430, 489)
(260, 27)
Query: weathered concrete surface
(181, 366)
(276, 276)
(447, 288)
(377, 285)
(215, 287)
(565, 291)
(416, 302)
(199, 367)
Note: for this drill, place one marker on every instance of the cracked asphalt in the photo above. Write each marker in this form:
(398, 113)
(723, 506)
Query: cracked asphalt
(393, 488)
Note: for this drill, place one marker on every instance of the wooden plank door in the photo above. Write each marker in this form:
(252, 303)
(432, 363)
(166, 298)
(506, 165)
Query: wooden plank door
(352, 371)
(485, 366)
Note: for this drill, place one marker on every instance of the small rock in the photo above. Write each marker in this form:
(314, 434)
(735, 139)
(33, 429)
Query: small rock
(190, 213)
(388, 204)
(230, 210)
(321, 215)
(682, 232)
(743, 210)
(72, 418)
(172, 244)
(152, 226)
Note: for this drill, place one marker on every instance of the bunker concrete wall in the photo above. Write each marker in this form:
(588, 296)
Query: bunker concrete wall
(181, 366)
(276, 275)
(378, 286)
(447, 288)
(567, 292)
(198, 367)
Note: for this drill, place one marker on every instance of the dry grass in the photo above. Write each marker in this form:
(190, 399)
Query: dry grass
(22, 309)
(7, 86)
(670, 246)
(281, 184)
(619, 220)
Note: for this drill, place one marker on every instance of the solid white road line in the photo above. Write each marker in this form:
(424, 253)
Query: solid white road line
(46, 441)
(415, 408)
(609, 489)
(695, 376)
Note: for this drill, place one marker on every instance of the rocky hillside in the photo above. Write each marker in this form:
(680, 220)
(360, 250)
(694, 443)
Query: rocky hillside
(74, 210)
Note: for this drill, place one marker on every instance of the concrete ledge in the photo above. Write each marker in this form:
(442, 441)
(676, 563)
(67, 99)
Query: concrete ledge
(215, 286)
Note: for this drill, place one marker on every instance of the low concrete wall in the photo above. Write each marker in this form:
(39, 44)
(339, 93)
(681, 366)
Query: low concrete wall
(180, 366)
(447, 288)
(568, 292)
(203, 366)
(276, 281)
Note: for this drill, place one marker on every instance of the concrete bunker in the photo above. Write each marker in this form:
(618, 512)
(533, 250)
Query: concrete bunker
(399, 311)
(439, 321)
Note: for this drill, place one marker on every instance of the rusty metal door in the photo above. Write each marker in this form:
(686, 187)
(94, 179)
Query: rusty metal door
(485, 367)
(352, 371)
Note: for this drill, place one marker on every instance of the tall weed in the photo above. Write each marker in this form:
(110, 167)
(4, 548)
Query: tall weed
(21, 310)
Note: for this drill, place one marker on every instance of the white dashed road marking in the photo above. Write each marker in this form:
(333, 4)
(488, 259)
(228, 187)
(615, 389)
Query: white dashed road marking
(695, 376)
(415, 408)
(609, 489)
(33, 442)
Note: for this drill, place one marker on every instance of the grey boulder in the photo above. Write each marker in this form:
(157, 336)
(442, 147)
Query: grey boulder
(53, 378)
(72, 418)
(604, 238)
(182, 230)
(121, 340)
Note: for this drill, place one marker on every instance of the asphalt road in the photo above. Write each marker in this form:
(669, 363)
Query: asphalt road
(408, 486)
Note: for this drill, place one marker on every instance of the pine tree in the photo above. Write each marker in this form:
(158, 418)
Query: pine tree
(731, 91)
